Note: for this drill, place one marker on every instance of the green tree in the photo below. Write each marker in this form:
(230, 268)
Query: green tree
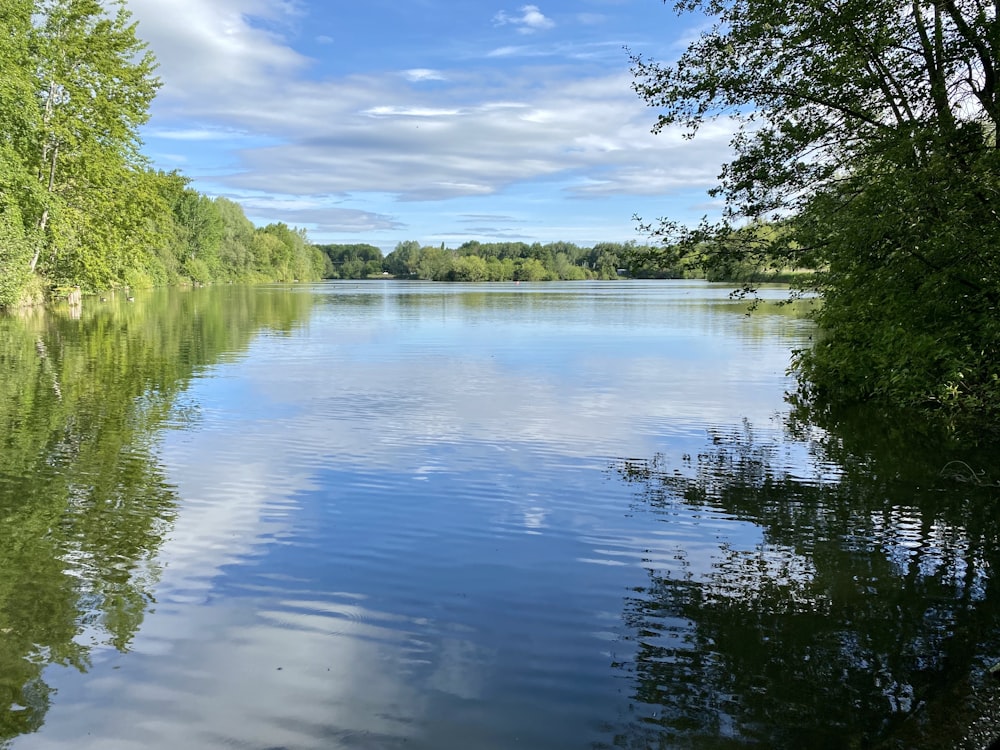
(285, 254)
(870, 128)
(500, 269)
(17, 88)
(19, 189)
(237, 236)
(531, 269)
(95, 82)
(353, 261)
(470, 268)
(201, 233)
(401, 261)
(604, 260)
(435, 263)
(166, 251)
(14, 256)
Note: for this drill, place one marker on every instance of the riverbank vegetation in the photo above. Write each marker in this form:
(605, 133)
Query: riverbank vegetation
(79, 205)
(866, 130)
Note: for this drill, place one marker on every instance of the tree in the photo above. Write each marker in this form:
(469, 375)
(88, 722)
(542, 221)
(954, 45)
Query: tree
(16, 85)
(285, 254)
(18, 187)
(237, 237)
(531, 269)
(604, 260)
(402, 260)
(95, 83)
(470, 268)
(353, 261)
(868, 128)
(201, 231)
(435, 263)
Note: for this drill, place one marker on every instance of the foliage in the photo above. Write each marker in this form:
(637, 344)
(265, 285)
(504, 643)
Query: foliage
(292, 257)
(352, 261)
(14, 258)
(77, 204)
(18, 120)
(865, 131)
(519, 261)
(235, 260)
(914, 318)
(95, 82)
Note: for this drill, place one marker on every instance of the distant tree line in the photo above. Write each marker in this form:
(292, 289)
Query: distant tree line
(554, 261)
(79, 205)
(502, 261)
(477, 261)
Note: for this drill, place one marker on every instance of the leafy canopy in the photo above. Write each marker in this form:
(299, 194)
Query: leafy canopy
(867, 130)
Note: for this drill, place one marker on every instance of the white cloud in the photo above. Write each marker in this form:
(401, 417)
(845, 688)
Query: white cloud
(485, 129)
(316, 213)
(216, 45)
(534, 19)
(283, 203)
(423, 74)
(390, 111)
(508, 51)
(196, 134)
(174, 159)
(338, 221)
(471, 218)
(378, 134)
(530, 20)
(610, 52)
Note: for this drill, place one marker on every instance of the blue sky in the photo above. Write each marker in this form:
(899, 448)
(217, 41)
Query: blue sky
(383, 121)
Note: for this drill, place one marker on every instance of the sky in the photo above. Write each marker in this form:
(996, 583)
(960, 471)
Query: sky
(441, 122)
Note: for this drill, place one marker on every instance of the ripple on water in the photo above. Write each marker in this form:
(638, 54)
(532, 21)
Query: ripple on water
(401, 523)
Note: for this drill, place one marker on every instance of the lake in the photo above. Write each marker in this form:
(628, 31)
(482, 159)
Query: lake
(434, 516)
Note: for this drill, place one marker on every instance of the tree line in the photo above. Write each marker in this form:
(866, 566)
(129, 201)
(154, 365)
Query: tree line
(493, 261)
(79, 204)
(521, 261)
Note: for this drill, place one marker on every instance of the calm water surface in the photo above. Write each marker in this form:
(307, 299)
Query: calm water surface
(387, 515)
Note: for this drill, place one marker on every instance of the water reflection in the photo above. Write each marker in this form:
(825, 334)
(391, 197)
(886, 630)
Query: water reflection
(393, 521)
(380, 515)
(865, 617)
(84, 502)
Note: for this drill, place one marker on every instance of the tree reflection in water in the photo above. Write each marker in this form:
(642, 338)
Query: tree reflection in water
(867, 617)
(84, 503)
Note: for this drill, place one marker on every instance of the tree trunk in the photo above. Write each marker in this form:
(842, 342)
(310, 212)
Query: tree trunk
(43, 220)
